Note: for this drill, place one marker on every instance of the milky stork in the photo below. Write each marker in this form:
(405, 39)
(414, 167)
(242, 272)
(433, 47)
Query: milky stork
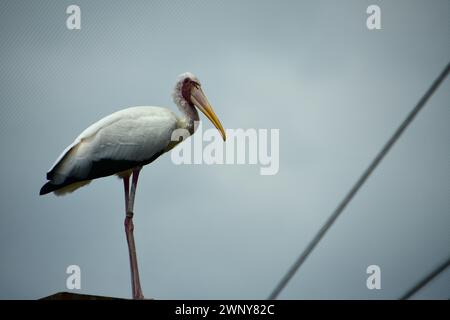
(125, 141)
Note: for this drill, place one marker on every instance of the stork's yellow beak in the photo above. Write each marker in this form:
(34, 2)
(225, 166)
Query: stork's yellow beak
(201, 102)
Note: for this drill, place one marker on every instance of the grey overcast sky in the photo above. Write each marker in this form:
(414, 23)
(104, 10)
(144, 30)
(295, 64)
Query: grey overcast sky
(312, 69)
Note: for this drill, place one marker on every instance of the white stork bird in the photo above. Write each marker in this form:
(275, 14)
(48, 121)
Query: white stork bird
(122, 143)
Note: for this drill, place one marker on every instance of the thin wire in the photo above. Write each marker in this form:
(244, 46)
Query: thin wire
(301, 259)
(425, 280)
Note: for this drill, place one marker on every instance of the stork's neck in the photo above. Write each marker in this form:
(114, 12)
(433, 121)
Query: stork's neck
(190, 114)
(190, 117)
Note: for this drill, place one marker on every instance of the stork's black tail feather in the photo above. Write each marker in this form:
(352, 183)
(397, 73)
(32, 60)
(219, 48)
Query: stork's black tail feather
(49, 187)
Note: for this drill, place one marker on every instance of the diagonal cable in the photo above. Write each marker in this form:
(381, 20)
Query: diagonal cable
(423, 282)
(362, 179)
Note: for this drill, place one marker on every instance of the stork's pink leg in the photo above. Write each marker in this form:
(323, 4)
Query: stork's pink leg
(129, 228)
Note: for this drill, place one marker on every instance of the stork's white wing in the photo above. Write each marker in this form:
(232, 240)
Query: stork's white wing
(116, 143)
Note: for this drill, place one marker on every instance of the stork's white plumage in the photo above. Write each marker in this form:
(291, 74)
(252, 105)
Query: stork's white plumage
(119, 142)
(122, 143)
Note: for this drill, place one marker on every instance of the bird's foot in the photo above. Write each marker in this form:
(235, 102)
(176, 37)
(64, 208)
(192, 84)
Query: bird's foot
(138, 297)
